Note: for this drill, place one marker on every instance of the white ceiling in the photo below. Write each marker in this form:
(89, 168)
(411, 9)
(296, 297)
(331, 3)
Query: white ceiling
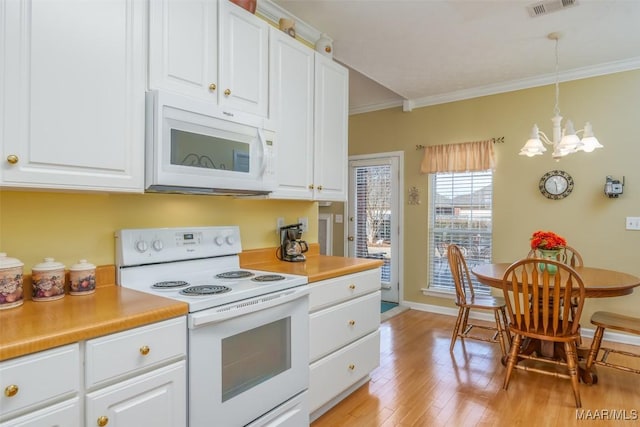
(427, 52)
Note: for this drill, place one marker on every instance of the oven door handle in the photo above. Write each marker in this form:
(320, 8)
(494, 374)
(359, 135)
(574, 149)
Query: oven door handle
(225, 312)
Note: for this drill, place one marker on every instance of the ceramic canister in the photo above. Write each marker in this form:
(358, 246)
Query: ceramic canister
(83, 278)
(10, 282)
(48, 280)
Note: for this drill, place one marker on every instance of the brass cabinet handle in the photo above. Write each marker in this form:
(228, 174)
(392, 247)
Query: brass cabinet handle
(11, 390)
(352, 286)
(212, 87)
(227, 92)
(12, 158)
(144, 350)
(319, 187)
(352, 322)
(103, 421)
(352, 367)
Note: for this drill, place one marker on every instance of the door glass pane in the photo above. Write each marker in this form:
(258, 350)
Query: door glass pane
(206, 151)
(254, 356)
(373, 215)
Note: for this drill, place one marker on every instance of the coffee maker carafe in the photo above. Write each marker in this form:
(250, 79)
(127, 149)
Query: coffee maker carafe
(291, 246)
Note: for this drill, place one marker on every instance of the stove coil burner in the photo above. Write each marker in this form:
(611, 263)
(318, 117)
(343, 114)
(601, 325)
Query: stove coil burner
(204, 290)
(238, 274)
(268, 278)
(170, 284)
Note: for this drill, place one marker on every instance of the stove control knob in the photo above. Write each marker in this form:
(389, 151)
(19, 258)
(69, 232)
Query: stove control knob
(142, 246)
(219, 240)
(230, 240)
(157, 245)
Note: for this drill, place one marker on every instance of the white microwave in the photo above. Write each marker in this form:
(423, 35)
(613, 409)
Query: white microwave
(193, 147)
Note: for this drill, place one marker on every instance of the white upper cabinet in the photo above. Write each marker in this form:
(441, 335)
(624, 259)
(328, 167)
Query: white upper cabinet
(183, 47)
(73, 94)
(244, 59)
(291, 110)
(330, 130)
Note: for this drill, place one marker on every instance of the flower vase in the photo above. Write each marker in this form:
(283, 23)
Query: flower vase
(551, 254)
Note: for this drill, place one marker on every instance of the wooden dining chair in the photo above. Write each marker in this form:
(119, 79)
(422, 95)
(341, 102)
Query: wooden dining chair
(467, 300)
(539, 308)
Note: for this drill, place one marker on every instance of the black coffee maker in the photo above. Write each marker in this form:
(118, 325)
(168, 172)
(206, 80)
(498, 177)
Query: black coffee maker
(291, 247)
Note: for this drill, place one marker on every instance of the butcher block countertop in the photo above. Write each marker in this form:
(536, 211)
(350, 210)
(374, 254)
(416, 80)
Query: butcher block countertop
(37, 326)
(317, 267)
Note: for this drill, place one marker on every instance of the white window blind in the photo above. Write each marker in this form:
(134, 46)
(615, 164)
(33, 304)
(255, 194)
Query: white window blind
(461, 214)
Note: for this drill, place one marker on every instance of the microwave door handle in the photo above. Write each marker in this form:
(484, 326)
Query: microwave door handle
(263, 145)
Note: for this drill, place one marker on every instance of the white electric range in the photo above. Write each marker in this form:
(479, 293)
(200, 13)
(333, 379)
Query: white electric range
(248, 345)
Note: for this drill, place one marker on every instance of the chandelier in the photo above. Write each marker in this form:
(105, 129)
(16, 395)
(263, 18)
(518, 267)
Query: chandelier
(565, 141)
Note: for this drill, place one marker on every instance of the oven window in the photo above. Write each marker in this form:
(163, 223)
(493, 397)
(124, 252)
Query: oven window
(254, 356)
(211, 152)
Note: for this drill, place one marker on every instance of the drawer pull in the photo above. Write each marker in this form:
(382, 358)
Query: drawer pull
(352, 286)
(352, 322)
(352, 367)
(103, 421)
(144, 350)
(11, 390)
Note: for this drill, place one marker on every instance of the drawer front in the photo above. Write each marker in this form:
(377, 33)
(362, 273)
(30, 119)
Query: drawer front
(333, 374)
(38, 378)
(332, 291)
(337, 326)
(125, 353)
(65, 414)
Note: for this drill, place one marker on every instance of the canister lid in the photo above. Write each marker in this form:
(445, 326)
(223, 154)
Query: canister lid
(7, 262)
(48, 264)
(82, 265)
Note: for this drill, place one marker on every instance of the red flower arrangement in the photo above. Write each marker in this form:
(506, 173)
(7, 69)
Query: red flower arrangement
(547, 240)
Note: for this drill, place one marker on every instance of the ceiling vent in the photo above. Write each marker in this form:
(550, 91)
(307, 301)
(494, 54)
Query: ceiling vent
(545, 7)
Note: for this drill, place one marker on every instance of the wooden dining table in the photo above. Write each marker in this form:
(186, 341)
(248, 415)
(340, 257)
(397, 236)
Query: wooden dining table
(598, 283)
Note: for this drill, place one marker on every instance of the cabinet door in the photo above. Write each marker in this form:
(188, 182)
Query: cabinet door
(330, 130)
(74, 81)
(65, 414)
(291, 108)
(183, 47)
(157, 398)
(244, 58)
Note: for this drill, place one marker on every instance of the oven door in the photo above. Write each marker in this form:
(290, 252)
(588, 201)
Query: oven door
(248, 358)
(193, 147)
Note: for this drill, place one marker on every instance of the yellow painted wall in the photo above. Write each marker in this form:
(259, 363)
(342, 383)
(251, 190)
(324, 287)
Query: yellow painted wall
(590, 221)
(71, 226)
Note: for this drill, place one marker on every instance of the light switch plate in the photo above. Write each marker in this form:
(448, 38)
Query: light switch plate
(305, 223)
(633, 223)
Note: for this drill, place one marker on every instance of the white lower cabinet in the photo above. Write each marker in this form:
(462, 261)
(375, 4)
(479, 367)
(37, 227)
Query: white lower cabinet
(133, 378)
(41, 389)
(138, 377)
(344, 337)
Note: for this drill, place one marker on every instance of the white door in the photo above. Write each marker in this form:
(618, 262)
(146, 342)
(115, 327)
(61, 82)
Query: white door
(373, 215)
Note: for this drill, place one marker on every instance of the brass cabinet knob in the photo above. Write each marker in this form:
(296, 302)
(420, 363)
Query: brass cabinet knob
(227, 92)
(212, 87)
(352, 286)
(144, 350)
(350, 238)
(11, 390)
(311, 187)
(319, 187)
(352, 322)
(103, 421)
(352, 367)
(12, 158)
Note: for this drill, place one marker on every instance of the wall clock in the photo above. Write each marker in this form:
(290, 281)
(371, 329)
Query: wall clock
(556, 184)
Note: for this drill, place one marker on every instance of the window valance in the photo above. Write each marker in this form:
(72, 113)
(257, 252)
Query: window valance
(463, 157)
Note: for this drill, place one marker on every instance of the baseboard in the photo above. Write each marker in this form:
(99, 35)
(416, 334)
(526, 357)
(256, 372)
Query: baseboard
(616, 337)
(337, 399)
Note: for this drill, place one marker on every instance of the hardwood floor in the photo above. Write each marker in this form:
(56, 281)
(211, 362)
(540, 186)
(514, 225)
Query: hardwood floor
(419, 383)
